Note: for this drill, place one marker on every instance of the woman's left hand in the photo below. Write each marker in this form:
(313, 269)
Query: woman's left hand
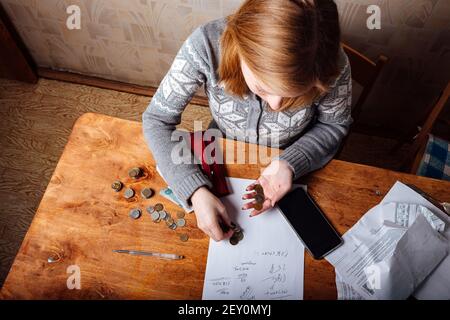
(276, 181)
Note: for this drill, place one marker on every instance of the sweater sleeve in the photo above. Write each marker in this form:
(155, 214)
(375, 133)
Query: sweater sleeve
(319, 144)
(185, 76)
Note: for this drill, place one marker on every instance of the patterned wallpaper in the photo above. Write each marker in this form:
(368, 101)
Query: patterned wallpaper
(136, 40)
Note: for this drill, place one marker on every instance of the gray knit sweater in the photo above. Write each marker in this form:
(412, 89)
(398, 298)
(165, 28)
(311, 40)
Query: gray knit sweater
(311, 134)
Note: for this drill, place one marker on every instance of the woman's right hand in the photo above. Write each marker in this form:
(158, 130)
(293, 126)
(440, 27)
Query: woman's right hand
(210, 211)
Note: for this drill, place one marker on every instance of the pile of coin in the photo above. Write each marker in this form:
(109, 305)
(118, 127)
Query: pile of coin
(259, 197)
(237, 236)
(158, 214)
(157, 211)
(134, 173)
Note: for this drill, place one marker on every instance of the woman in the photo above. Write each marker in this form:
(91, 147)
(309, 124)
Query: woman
(274, 73)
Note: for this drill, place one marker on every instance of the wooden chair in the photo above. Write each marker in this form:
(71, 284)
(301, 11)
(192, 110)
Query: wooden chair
(364, 72)
(415, 154)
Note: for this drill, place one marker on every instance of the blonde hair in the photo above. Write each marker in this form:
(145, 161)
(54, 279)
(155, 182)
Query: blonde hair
(289, 45)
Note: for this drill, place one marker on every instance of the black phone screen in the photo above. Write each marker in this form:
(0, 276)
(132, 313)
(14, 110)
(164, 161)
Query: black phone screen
(309, 222)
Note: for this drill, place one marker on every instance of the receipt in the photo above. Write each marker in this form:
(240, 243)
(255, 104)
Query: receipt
(389, 252)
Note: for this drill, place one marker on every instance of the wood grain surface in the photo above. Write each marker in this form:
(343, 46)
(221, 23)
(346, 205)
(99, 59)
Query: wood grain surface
(35, 123)
(80, 220)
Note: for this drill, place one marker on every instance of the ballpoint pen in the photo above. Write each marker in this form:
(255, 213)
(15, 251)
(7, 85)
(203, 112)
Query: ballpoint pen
(171, 256)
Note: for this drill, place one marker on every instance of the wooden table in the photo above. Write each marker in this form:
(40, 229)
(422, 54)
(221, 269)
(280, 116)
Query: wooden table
(81, 220)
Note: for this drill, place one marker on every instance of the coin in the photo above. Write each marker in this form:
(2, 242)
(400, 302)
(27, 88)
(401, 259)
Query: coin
(117, 185)
(257, 206)
(184, 237)
(129, 193)
(169, 221)
(162, 215)
(234, 241)
(259, 198)
(150, 209)
(135, 213)
(173, 226)
(239, 235)
(147, 193)
(155, 216)
(180, 214)
(159, 207)
(181, 222)
(259, 189)
(135, 172)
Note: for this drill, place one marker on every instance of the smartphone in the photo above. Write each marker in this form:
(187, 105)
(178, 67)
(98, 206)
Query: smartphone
(309, 223)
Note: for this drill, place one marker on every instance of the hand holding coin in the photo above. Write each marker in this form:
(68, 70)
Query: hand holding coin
(259, 199)
(273, 184)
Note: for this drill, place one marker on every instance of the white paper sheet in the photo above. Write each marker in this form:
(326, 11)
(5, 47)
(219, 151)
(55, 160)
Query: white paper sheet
(376, 237)
(267, 264)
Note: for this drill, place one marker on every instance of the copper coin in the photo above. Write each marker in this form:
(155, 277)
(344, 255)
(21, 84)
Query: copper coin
(239, 235)
(259, 198)
(159, 207)
(258, 206)
(147, 193)
(184, 237)
(117, 185)
(259, 189)
(135, 172)
(234, 241)
(180, 214)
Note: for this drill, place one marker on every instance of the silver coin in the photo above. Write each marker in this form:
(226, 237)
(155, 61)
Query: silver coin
(129, 193)
(181, 222)
(135, 213)
(173, 226)
(163, 215)
(150, 209)
(147, 193)
(155, 216)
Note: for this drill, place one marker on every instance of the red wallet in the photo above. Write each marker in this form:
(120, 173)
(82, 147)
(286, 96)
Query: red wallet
(214, 171)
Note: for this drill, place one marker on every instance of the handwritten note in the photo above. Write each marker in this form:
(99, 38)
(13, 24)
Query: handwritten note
(266, 264)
